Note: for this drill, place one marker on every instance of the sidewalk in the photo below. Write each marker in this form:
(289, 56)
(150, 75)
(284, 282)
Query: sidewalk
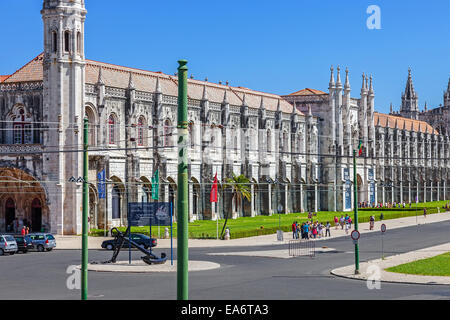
(74, 242)
(368, 268)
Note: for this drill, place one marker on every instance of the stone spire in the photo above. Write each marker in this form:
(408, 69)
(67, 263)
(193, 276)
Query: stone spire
(100, 76)
(425, 107)
(371, 86)
(332, 84)
(225, 99)
(363, 86)
(205, 93)
(158, 86)
(338, 81)
(390, 109)
(347, 81)
(244, 102)
(131, 82)
(410, 100)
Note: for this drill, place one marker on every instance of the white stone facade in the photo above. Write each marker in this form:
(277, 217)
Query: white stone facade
(296, 150)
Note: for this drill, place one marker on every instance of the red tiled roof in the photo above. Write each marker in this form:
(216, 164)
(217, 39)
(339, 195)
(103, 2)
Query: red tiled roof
(2, 78)
(119, 76)
(32, 71)
(307, 92)
(386, 120)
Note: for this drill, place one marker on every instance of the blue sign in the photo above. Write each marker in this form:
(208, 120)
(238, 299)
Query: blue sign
(149, 213)
(101, 184)
(348, 189)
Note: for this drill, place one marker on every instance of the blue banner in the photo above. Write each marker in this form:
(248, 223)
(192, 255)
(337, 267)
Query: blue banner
(348, 189)
(101, 184)
(149, 213)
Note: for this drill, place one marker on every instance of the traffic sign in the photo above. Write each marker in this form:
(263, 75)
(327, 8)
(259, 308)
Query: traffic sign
(383, 228)
(355, 235)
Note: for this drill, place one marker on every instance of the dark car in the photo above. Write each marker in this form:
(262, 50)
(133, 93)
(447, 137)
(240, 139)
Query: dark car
(139, 238)
(24, 243)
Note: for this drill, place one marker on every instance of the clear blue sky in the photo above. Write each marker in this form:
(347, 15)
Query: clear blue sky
(274, 46)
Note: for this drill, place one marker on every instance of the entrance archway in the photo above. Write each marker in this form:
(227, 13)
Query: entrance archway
(36, 215)
(10, 214)
(18, 191)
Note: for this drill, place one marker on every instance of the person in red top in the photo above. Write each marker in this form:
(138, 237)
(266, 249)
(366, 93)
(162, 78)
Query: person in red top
(23, 230)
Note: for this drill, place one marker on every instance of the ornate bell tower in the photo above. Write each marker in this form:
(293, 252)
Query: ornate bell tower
(64, 88)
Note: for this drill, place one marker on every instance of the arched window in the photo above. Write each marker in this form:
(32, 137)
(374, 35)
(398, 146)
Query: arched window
(141, 137)
(22, 128)
(113, 130)
(66, 41)
(54, 42)
(116, 203)
(167, 133)
(90, 115)
(269, 141)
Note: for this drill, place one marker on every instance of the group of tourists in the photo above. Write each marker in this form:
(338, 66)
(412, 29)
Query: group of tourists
(310, 230)
(343, 222)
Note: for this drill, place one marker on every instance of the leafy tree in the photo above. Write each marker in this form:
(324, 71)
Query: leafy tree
(240, 188)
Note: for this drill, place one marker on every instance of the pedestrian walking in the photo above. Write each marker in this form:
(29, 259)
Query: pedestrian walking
(23, 231)
(327, 227)
(336, 222)
(424, 212)
(294, 230)
(28, 230)
(341, 221)
(372, 222)
(346, 228)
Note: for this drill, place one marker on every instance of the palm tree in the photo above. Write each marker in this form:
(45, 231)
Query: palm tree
(240, 188)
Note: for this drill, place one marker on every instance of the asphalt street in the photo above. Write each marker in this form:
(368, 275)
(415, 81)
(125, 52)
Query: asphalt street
(43, 275)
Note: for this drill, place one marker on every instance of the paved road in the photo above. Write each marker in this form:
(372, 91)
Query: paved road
(42, 275)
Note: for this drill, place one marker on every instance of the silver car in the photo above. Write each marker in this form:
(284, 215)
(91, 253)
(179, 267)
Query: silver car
(7, 244)
(43, 241)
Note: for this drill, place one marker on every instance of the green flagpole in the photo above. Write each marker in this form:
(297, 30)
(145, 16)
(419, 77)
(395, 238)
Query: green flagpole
(182, 195)
(84, 226)
(356, 211)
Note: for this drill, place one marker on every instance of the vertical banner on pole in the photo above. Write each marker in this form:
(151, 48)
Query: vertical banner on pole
(213, 199)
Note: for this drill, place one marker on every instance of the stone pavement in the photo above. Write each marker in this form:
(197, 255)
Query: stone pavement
(139, 266)
(74, 242)
(371, 267)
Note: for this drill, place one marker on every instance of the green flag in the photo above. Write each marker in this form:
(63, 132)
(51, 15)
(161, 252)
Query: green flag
(155, 186)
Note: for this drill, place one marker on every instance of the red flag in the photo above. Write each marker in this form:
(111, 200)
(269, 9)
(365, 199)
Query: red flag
(213, 195)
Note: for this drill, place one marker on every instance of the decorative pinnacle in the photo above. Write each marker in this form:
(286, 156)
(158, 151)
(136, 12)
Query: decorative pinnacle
(347, 82)
(371, 85)
(244, 103)
(332, 77)
(131, 82)
(158, 86)
(100, 76)
(225, 100)
(205, 93)
(338, 81)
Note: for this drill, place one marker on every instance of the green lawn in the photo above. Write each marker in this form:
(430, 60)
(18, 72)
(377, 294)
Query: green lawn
(436, 266)
(260, 225)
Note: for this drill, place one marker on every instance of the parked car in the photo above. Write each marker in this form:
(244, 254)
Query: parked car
(139, 238)
(7, 244)
(24, 243)
(43, 241)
